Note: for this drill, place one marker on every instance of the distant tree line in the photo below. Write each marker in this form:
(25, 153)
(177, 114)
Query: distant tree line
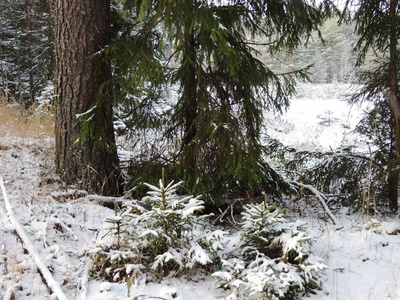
(27, 57)
(331, 54)
(26, 48)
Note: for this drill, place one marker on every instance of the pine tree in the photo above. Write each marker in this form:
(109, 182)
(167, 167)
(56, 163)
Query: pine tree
(378, 126)
(223, 87)
(85, 143)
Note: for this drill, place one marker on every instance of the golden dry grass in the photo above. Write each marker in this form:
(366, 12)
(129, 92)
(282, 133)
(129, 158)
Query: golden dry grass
(16, 121)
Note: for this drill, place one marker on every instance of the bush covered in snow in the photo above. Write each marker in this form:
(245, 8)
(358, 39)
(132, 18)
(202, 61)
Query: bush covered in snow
(273, 260)
(166, 238)
(163, 236)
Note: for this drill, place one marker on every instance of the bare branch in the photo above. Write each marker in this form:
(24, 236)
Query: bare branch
(320, 196)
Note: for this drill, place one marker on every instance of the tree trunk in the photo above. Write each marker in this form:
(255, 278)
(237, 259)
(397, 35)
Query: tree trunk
(18, 84)
(190, 100)
(395, 107)
(29, 49)
(82, 29)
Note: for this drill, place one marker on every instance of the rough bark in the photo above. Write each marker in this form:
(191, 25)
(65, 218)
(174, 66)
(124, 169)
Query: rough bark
(82, 29)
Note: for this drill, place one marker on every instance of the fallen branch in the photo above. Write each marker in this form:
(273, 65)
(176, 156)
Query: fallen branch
(320, 196)
(105, 201)
(148, 297)
(229, 209)
(49, 280)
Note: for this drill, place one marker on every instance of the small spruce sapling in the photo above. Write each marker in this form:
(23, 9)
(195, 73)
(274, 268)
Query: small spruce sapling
(274, 259)
(179, 239)
(168, 238)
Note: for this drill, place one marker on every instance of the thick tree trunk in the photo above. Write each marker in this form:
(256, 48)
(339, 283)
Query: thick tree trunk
(82, 29)
(395, 107)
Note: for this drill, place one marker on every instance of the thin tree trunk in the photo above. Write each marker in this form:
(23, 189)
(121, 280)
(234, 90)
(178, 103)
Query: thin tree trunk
(395, 107)
(82, 29)
(190, 99)
(18, 85)
(29, 50)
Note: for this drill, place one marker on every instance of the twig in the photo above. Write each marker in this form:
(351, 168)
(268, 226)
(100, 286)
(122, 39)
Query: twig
(321, 198)
(222, 215)
(49, 280)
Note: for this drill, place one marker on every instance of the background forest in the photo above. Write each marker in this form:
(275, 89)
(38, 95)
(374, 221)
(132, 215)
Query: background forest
(145, 101)
(143, 110)
(169, 113)
(27, 51)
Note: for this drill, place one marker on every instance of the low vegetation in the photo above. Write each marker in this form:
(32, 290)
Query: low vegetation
(36, 121)
(163, 235)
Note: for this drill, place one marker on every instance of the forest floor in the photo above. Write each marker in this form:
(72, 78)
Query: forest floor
(361, 252)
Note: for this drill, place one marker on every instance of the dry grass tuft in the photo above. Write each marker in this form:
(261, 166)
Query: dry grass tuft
(17, 121)
(4, 147)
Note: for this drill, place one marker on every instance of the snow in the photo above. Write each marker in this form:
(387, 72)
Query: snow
(362, 264)
(53, 284)
(60, 224)
(318, 118)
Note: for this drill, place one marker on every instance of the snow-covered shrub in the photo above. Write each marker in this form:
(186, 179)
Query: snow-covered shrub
(167, 238)
(274, 259)
(372, 225)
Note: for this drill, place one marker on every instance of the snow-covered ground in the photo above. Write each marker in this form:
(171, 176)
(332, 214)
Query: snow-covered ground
(362, 256)
(318, 118)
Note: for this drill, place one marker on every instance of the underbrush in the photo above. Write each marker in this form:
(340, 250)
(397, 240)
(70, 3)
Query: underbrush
(166, 235)
(36, 121)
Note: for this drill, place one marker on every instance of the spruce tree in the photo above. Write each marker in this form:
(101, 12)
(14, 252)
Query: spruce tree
(223, 87)
(377, 24)
(378, 125)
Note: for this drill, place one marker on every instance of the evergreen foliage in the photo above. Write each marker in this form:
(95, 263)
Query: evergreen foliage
(274, 259)
(346, 176)
(377, 23)
(211, 133)
(161, 235)
(372, 26)
(378, 126)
